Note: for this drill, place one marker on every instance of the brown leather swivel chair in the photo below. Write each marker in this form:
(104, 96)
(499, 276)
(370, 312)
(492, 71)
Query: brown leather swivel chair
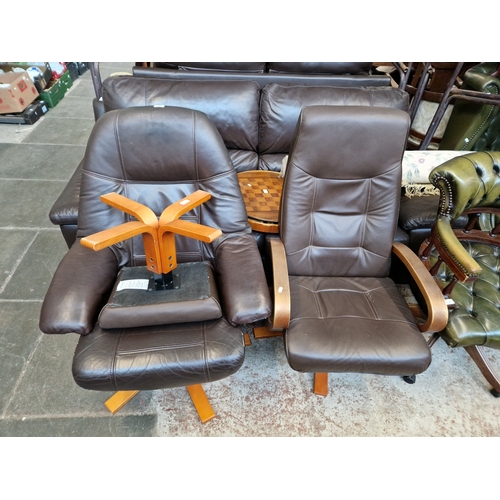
(157, 156)
(339, 310)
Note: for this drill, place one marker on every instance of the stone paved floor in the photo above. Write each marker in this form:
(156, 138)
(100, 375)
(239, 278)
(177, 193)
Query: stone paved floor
(38, 396)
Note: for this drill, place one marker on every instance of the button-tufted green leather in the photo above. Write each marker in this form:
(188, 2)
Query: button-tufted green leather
(471, 184)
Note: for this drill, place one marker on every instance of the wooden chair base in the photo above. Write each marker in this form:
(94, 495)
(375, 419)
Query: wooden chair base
(119, 399)
(321, 384)
(480, 358)
(201, 403)
(263, 332)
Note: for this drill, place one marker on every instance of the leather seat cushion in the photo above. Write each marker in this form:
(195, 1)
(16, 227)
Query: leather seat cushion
(360, 325)
(476, 318)
(158, 357)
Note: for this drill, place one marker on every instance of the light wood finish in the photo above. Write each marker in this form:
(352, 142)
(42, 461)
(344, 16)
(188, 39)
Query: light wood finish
(201, 403)
(264, 332)
(437, 310)
(280, 318)
(246, 338)
(119, 399)
(321, 384)
(158, 235)
(131, 207)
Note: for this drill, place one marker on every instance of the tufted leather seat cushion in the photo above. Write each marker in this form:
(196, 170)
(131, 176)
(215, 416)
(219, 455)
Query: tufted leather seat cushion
(476, 317)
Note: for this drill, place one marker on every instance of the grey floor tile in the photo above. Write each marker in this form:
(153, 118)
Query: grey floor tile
(33, 275)
(26, 203)
(74, 105)
(57, 130)
(47, 388)
(39, 161)
(19, 335)
(112, 426)
(14, 243)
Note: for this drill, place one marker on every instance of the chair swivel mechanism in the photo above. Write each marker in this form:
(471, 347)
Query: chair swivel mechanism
(465, 262)
(333, 298)
(159, 198)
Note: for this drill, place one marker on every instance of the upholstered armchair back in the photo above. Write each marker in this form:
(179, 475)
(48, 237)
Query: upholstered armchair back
(174, 152)
(349, 158)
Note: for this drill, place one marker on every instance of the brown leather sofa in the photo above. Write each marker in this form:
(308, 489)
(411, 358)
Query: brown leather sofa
(256, 121)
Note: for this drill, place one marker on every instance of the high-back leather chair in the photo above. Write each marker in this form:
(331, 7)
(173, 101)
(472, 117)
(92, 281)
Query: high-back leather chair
(465, 262)
(155, 157)
(339, 310)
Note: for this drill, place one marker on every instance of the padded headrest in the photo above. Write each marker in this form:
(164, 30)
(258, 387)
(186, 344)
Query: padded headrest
(174, 144)
(281, 106)
(349, 142)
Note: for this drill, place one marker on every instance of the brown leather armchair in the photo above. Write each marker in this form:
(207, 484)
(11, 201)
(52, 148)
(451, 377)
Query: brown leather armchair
(465, 262)
(339, 310)
(155, 157)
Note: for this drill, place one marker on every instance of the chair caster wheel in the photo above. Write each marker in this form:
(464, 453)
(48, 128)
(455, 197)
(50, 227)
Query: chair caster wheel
(410, 379)
(495, 393)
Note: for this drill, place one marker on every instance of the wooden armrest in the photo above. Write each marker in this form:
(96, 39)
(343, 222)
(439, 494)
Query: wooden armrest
(437, 310)
(280, 318)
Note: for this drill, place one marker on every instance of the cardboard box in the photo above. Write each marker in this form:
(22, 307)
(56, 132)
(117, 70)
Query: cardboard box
(17, 91)
(40, 82)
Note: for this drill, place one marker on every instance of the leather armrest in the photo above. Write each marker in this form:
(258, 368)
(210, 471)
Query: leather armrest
(243, 285)
(437, 310)
(65, 209)
(78, 290)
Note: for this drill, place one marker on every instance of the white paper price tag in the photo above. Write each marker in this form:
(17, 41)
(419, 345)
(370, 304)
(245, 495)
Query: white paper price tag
(133, 285)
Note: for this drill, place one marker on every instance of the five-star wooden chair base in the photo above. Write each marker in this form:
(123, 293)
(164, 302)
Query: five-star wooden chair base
(197, 393)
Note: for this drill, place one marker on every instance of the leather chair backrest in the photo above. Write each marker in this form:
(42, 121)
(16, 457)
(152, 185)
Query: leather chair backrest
(467, 182)
(156, 156)
(341, 191)
(233, 107)
(281, 106)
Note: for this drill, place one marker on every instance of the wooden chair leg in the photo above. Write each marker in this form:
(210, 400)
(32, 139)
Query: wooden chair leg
(201, 403)
(119, 399)
(479, 356)
(321, 384)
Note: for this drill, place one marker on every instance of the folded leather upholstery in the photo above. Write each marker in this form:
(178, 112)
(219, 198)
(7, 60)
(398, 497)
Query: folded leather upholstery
(338, 218)
(157, 167)
(281, 106)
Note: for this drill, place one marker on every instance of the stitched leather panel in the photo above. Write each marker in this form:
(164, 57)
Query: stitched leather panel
(342, 189)
(158, 357)
(360, 325)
